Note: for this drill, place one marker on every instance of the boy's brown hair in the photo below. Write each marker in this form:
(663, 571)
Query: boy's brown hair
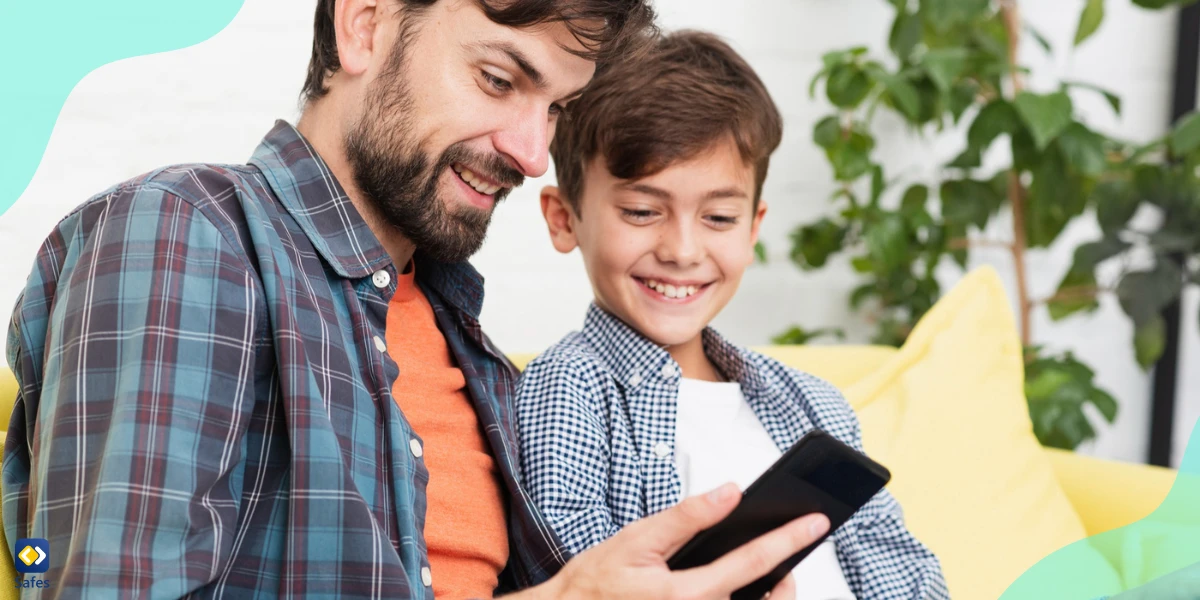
(664, 106)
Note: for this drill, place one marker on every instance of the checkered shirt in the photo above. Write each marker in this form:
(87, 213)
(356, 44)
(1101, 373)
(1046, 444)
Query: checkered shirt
(594, 408)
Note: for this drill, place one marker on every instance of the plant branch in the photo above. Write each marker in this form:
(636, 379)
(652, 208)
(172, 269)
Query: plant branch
(1016, 192)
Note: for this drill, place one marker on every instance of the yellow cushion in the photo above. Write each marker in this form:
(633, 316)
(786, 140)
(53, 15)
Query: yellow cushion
(947, 415)
(8, 395)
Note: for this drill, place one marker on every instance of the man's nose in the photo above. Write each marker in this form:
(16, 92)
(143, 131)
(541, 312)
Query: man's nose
(526, 143)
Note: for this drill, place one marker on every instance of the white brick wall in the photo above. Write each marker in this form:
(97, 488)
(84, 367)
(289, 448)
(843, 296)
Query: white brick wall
(214, 101)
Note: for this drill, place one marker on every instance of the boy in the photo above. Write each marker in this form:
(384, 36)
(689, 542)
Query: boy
(661, 166)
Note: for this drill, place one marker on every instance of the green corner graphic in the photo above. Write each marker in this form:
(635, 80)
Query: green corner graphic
(49, 47)
(1157, 557)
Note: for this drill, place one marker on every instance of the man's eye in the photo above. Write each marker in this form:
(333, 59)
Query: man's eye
(501, 85)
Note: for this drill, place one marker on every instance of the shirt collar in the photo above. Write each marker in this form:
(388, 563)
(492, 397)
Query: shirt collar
(312, 195)
(314, 198)
(632, 358)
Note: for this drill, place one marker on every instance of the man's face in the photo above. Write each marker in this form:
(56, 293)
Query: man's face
(459, 112)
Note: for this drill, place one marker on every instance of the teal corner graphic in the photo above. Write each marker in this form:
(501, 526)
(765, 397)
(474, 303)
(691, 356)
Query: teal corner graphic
(1157, 557)
(49, 48)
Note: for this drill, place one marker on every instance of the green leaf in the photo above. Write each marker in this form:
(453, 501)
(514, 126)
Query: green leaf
(915, 198)
(969, 202)
(760, 253)
(997, 118)
(971, 158)
(904, 96)
(1155, 4)
(798, 336)
(812, 245)
(860, 295)
(1091, 254)
(1149, 340)
(862, 264)
(1186, 136)
(887, 241)
(827, 132)
(1105, 403)
(944, 65)
(1055, 197)
(1046, 383)
(1083, 149)
(943, 14)
(1113, 100)
(1089, 21)
(1144, 294)
(877, 184)
(850, 156)
(962, 97)
(848, 85)
(1074, 280)
(905, 35)
(1040, 39)
(1046, 116)
(1116, 202)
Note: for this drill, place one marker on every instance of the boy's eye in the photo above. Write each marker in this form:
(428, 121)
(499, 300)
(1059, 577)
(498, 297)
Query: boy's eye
(556, 110)
(501, 85)
(637, 214)
(723, 220)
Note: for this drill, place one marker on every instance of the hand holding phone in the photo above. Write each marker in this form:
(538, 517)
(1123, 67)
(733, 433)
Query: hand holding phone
(818, 474)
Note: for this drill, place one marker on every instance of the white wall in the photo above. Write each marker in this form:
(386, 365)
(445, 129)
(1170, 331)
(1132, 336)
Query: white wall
(214, 101)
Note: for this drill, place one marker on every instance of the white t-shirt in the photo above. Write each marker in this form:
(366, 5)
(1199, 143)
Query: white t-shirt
(719, 439)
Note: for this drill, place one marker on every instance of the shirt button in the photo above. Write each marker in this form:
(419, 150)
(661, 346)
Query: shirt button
(379, 345)
(415, 446)
(662, 450)
(381, 279)
(426, 576)
(668, 370)
(635, 379)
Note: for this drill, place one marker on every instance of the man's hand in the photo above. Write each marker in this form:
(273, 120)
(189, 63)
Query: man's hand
(633, 564)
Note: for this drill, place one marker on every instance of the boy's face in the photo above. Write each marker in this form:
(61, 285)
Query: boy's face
(664, 253)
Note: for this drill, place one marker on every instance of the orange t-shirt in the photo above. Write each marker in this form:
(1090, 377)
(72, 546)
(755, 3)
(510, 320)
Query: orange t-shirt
(466, 530)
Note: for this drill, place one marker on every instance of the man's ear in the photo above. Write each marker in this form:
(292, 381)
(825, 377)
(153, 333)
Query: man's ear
(357, 28)
(559, 219)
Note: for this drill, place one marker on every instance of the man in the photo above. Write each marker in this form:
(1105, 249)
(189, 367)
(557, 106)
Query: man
(252, 380)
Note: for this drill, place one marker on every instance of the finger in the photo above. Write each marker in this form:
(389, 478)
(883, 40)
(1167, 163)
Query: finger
(669, 530)
(755, 559)
(784, 590)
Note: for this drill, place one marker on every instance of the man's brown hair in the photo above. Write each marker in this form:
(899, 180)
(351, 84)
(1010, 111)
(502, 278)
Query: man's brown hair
(606, 29)
(667, 105)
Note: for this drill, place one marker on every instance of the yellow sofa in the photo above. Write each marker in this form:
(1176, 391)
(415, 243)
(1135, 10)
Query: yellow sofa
(1128, 492)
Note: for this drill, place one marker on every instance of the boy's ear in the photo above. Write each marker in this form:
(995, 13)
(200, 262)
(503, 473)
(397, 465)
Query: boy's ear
(756, 224)
(559, 219)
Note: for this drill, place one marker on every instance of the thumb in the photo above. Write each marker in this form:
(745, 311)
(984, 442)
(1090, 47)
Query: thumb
(669, 530)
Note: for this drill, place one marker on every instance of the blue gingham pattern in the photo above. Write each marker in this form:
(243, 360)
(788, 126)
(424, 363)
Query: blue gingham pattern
(596, 414)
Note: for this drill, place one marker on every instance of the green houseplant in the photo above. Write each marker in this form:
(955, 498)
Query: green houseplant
(954, 64)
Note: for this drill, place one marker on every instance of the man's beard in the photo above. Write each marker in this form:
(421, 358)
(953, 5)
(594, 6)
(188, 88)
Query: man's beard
(399, 180)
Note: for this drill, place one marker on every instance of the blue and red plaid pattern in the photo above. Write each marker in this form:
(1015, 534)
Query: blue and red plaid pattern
(597, 410)
(205, 403)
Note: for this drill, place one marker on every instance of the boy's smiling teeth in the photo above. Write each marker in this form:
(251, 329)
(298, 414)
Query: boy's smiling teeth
(671, 291)
(475, 182)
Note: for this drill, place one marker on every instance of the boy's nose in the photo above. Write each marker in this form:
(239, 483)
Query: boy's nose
(680, 246)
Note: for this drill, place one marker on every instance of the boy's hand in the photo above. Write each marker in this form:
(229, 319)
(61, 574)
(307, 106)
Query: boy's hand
(633, 564)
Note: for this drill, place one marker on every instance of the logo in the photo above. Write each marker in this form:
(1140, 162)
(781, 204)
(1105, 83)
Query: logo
(32, 555)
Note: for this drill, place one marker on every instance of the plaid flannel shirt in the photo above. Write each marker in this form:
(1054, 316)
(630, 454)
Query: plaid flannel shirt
(205, 401)
(597, 422)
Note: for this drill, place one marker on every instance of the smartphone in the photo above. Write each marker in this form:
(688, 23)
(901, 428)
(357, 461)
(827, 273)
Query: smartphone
(818, 474)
